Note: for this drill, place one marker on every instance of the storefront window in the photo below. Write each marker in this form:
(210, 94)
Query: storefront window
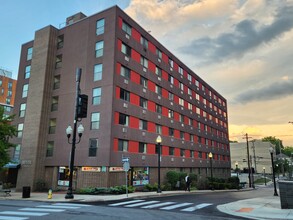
(140, 176)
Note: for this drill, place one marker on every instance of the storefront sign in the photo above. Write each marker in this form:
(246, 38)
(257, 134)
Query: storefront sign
(91, 169)
(116, 169)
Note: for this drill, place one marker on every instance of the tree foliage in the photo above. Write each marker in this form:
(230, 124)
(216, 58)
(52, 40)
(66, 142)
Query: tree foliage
(275, 141)
(6, 131)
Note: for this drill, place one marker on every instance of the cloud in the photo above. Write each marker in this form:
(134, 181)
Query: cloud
(245, 36)
(272, 91)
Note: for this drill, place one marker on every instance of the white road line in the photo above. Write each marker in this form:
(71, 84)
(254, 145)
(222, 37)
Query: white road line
(193, 208)
(176, 206)
(157, 205)
(42, 210)
(24, 213)
(12, 218)
(58, 207)
(71, 204)
(125, 203)
(142, 203)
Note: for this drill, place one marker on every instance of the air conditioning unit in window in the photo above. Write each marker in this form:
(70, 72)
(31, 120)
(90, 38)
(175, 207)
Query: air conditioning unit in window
(159, 97)
(172, 159)
(144, 69)
(183, 160)
(172, 139)
(125, 105)
(125, 81)
(159, 78)
(143, 157)
(171, 68)
(159, 60)
(171, 103)
(143, 133)
(124, 130)
(127, 36)
(171, 85)
(126, 58)
(144, 90)
(159, 116)
(182, 142)
(143, 111)
(182, 125)
(172, 121)
(182, 108)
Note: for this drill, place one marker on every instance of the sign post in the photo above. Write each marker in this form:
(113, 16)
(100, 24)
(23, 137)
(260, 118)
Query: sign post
(126, 167)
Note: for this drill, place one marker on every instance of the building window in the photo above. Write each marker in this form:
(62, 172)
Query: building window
(93, 147)
(99, 48)
(159, 53)
(171, 96)
(192, 154)
(19, 130)
(124, 71)
(29, 53)
(16, 155)
(123, 119)
(171, 132)
(171, 79)
(143, 125)
(158, 71)
(144, 62)
(60, 41)
(10, 85)
(181, 86)
(126, 50)
(126, 27)
(158, 109)
(181, 101)
(7, 108)
(144, 82)
(189, 106)
(171, 114)
(182, 152)
(98, 69)
(50, 148)
(122, 145)
(124, 95)
(144, 42)
(171, 151)
(58, 63)
(142, 148)
(180, 70)
(27, 72)
(54, 105)
(159, 129)
(158, 90)
(52, 126)
(8, 101)
(22, 110)
(189, 77)
(171, 63)
(97, 92)
(25, 90)
(191, 138)
(182, 135)
(100, 26)
(181, 118)
(56, 82)
(95, 120)
(143, 103)
(199, 154)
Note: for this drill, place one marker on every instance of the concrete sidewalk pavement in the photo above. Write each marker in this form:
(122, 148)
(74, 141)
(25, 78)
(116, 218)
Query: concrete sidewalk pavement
(257, 208)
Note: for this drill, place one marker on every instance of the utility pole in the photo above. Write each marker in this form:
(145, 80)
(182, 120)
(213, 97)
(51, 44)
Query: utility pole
(248, 160)
(254, 157)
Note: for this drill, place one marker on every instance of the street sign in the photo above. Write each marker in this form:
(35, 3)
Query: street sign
(126, 166)
(126, 159)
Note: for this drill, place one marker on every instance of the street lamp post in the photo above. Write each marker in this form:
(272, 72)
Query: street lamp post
(159, 141)
(211, 163)
(264, 175)
(274, 179)
(236, 164)
(69, 132)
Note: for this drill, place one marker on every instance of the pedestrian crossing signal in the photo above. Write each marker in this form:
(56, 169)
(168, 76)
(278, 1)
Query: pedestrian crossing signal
(82, 106)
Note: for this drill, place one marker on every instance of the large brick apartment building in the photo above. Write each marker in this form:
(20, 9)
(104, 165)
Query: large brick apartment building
(7, 91)
(137, 90)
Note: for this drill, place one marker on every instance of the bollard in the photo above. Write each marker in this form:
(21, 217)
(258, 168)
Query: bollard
(50, 194)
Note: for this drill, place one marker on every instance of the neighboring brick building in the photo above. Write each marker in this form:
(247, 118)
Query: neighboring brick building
(7, 91)
(137, 89)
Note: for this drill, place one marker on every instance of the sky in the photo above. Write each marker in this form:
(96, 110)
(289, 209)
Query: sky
(242, 48)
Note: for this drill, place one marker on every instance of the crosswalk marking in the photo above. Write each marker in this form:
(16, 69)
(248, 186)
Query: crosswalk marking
(176, 206)
(42, 210)
(193, 208)
(141, 203)
(59, 206)
(125, 203)
(71, 204)
(24, 213)
(12, 218)
(157, 205)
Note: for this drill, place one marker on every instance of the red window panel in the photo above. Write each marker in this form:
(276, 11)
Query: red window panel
(165, 58)
(120, 21)
(185, 89)
(133, 146)
(118, 68)
(185, 104)
(165, 93)
(185, 74)
(151, 148)
(134, 99)
(119, 45)
(135, 34)
(116, 118)
(176, 82)
(195, 154)
(176, 99)
(135, 55)
(151, 106)
(177, 152)
(164, 75)
(152, 47)
(165, 131)
(165, 111)
(177, 134)
(186, 136)
(151, 127)
(151, 86)
(187, 153)
(135, 77)
(165, 150)
(115, 144)
(176, 116)
(133, 122)
(186, 120)
(201, 126)
(117, 92)
(175, 67)
(151, 66)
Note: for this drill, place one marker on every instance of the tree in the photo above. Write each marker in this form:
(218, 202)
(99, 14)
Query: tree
(288, 151)
(275, 141)
(6, 131)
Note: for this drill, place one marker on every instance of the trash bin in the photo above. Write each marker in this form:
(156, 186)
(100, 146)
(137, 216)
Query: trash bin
(26, 192)
(286, 194)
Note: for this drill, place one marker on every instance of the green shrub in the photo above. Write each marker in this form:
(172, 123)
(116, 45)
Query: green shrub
(104, 190)
(172, 178)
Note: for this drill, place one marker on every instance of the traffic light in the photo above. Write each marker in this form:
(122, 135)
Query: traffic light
(82, 106)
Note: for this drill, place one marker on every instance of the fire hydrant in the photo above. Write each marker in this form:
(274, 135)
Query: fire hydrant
(50, 194)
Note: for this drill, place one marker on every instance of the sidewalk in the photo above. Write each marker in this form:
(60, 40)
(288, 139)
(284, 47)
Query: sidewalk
(257, 208)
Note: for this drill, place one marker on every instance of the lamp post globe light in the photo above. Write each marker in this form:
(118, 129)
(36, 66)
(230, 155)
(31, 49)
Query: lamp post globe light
(273, 169)
(264, 175)
(159, 141)
(211, 163)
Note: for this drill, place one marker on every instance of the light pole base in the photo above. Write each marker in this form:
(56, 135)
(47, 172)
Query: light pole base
(69, 196)
(276, 194)
(159, 191)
